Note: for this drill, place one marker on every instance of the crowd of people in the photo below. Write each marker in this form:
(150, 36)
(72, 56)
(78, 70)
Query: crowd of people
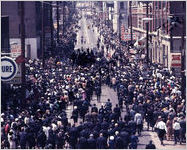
(149, 95)
(83, 57)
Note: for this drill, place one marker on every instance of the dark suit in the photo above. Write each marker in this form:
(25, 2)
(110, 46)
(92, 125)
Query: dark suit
(91, 143)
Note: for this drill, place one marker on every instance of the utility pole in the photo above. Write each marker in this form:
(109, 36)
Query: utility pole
(43, 38)
(57, 15)
(63, 18)
(120, 24)
(147, 32)
(51, 24)
(22, 26)
(130, 3)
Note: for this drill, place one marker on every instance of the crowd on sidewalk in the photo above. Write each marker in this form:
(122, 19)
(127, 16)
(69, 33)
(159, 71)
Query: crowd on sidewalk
(147, 92)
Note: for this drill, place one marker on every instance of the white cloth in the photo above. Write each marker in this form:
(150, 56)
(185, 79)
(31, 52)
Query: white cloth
(11, 140)
(161, 125)
(176, 126)
(46, 131)
(138, 118)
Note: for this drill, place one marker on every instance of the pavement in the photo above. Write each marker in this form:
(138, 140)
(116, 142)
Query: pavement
(89, 35)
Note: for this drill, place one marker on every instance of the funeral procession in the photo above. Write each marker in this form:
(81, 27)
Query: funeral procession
(93, 74)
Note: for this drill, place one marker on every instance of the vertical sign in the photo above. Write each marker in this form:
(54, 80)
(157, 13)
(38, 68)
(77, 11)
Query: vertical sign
(176, 60)
(15, 52)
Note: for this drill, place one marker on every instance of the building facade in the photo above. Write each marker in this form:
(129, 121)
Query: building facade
(5, 43)
(33, 25)
(166, 28)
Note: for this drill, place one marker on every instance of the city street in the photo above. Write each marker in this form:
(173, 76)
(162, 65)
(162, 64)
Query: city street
(107, 93)
(89, 37)
(93, 75)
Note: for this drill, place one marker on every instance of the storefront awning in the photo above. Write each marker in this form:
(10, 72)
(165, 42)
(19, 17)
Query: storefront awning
(140, 41)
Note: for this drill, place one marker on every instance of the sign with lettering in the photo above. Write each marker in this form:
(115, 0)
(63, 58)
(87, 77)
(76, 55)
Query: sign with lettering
(176, 60)
(16, 55)
(15, 50)
(127, 36)
(8, 68)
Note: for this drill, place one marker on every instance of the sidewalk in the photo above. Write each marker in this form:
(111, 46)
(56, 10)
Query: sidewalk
(149, 135)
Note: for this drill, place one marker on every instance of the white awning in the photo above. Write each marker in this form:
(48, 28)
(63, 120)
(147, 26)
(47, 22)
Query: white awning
(141, 39)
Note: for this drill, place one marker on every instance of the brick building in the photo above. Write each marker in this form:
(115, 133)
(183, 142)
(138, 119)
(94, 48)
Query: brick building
(166, 29)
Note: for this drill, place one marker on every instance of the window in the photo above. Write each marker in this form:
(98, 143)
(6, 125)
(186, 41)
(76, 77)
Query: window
(164, 55)
(19, 29)
(156, 7)
(163, 4)
(159, 5)
(28, 51)
(121, 5)
(19, 7)
(150, 8)
(155, 51)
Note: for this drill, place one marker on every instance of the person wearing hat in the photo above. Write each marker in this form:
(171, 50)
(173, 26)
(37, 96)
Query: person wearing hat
(91, 142)
(119, 143)
(162, 129)
(111, 143)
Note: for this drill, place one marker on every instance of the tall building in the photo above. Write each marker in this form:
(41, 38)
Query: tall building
(32, 20)
(5, 43)
(115, 15)
(166, 28)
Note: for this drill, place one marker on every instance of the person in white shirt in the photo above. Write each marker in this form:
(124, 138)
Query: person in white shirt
(162, 129)
(176, 128)
(139, 122)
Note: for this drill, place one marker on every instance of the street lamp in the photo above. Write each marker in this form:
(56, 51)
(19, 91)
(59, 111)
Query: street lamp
(147, 36)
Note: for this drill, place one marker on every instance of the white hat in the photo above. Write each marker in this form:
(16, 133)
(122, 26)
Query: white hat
(117, 132)
(111, 137)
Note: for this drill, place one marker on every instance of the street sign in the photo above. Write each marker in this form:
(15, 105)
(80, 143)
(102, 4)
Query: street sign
(8, 68)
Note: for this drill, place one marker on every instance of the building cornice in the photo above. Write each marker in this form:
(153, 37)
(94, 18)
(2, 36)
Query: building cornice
(154, 33)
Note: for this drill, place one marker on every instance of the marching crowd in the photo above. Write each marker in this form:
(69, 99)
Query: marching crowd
(149, 94)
